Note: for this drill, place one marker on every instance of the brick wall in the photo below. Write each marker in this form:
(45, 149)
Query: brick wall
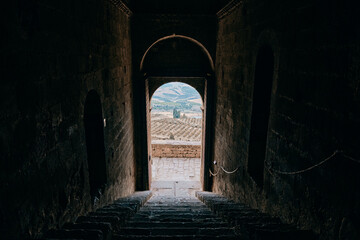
(176, 151)
(54, 54)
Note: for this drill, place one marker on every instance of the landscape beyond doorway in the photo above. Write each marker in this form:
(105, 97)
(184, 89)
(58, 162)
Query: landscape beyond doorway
(176, 123)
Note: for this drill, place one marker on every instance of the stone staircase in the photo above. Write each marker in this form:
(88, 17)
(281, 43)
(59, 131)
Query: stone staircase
(168, 217)
(165, 217)
(250, 223)
(101, 224)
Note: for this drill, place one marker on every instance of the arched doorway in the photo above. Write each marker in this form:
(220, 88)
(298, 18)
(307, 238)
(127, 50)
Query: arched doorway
(175, 58)
(94, 134)
(264, 71)
(176, 136)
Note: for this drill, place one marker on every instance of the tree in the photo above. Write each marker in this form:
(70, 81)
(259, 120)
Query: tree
(176, 113)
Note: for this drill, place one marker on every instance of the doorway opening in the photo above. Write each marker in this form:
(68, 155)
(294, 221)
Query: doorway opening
(94, 134)
(173, 58)
(176, 139)
(264, 71)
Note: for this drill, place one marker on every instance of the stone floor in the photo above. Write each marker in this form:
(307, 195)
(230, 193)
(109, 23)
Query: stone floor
(175, 176)
(175, 188)
(175, 169)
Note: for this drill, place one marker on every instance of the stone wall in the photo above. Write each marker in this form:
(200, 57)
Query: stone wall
(314, 111)
(53, 55)
(176, 151)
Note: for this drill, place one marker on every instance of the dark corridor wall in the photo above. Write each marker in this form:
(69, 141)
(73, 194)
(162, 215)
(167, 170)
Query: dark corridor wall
(314, 111)
(54, 53)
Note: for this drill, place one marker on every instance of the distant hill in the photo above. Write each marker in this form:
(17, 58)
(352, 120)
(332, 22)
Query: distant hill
(176, 92)
(176, 95)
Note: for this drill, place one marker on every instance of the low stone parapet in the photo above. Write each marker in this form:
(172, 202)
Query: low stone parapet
(176, 149)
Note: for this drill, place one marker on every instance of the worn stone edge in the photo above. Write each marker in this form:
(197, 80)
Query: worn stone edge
(122, 6)
(230, 7)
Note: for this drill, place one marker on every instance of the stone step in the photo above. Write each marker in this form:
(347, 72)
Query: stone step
(250, 222)
(99, 225)
(120, 207)
(283, 235)
(174, 211)
(143, 224)
(178, 208)
(105, 228)
(114, 221)
(182, 237)
(175, 218)
(179, 205)
(176, 215)
(88, 234)
(189, 231)
(179, 219)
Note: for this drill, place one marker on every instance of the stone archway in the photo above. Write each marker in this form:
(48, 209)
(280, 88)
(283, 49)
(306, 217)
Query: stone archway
(183, 59)
(174, 36)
